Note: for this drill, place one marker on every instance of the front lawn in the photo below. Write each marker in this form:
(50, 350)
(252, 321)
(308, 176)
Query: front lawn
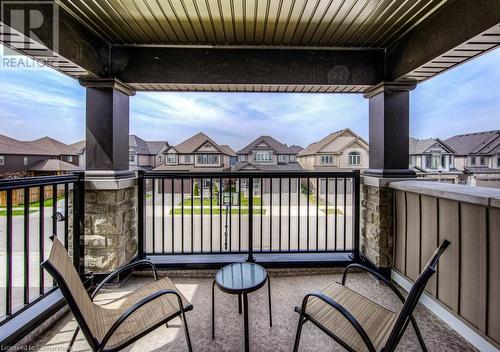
(206, 202)
(15, 212)
(215, 211)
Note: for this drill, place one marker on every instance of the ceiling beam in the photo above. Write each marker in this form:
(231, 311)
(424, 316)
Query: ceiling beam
(73, 43)
(453, 24)
(219, 66)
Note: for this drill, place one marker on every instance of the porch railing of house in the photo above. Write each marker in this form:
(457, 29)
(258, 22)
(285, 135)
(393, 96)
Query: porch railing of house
(211, 215)
(33, 209)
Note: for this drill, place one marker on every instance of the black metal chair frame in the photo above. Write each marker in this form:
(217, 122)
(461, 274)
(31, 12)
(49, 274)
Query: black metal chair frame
(404, 318)
(92, 340)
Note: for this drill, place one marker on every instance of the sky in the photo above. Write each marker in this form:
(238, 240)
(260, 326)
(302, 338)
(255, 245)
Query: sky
(38, 101)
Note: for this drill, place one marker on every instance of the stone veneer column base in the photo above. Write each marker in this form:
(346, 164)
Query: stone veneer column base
(110, 223)
(376, 223)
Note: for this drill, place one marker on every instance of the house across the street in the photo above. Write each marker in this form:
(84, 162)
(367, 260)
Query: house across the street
(267, 154)
(340, 151)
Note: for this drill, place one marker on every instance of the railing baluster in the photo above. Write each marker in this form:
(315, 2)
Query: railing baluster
(336, 196)
(8, 263)
(153, 215)
(307, 207)
(299, 190)
(271, 214)
(345, 207)
(201, 215)
(66, 215)
(250, 220)
(239, 214)
(230, 213)
(192, 214)
(261, 208)
(289, 212)
(317, 214)
(182, 215)
(279, 226)
(172, 184)
(27, 243)
(326, 214)
(41, 238)
(219, 200)
(211, 219)
(54, 210)
(162, 215)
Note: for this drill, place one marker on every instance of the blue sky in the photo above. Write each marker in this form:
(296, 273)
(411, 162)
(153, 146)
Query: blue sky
(37, 102)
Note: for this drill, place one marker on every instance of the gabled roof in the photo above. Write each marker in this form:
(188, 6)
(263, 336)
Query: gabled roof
(78, 146)
(192, 144)
(138, 144)
(275, 145)
(249, 166)
(10, 145)
(475, 143)
(54, 146)
(420, 146)
(316, 147)
(228, 149)
(155, 147)
(53, 165)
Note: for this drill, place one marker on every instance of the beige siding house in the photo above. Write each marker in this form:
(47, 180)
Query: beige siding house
(198, 153)
(342, 150)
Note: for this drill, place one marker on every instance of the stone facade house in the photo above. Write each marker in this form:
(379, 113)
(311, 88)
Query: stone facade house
(267, 154)
(478, 156)
(343, 150)
(198, 153)
(432, 158)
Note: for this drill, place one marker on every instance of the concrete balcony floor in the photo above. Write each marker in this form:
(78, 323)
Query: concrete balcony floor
(288, 289)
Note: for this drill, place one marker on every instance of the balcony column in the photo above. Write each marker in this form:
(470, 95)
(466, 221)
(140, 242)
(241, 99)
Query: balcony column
(389, 106)
(110, 188)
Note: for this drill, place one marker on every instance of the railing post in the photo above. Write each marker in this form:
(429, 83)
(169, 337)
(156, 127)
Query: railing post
(250, 219)
(79, 223)
(356, 205)
(141, 212)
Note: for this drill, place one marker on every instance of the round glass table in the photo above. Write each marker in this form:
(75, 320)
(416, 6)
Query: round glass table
(241, 279)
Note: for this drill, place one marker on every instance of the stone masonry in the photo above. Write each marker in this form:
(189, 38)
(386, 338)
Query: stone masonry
(376, 225)
(110, 228)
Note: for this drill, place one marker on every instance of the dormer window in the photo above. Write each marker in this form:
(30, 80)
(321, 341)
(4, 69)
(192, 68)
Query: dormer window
(354, 158)
(327, 159)
(171, 159)
(262, 156)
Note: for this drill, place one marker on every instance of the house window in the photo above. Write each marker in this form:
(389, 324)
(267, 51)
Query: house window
(435, 161)
(70, 159)
(293, 158)
(327, 159)
(283, 158)
(262, 156)
(207, 159)
(171, 159)
(354, 158)
(452, 159)
(473, 160)
(187, 158)
(482, 160)
(131, 158)
(25, 160)
(2, 160)
(243, 158)
(498, 161)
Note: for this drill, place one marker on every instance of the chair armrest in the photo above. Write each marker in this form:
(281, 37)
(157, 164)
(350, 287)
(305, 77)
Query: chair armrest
(342, 311)
(376, 274)
(122, 269)
(135, 307)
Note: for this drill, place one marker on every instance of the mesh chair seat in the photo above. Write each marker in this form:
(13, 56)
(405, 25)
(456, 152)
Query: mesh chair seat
(145, 317)
(376, 320)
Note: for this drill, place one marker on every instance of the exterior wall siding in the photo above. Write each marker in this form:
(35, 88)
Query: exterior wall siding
(468, 277)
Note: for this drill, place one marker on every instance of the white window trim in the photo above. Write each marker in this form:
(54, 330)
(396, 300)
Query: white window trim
(174, 156)
(2, 160)
(354, 156)
(25, 161)
(262, 157)
(206, 157)
(326, 159)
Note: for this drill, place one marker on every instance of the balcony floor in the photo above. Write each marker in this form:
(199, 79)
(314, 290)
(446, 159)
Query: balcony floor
(288, 288)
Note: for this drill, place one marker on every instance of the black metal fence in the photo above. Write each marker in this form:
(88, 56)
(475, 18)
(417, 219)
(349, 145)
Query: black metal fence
(247, 213)
(34, 209)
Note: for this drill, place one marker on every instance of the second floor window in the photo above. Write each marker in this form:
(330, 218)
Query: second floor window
(473, 160)
(25, 161)
(207, 159)
(262, 156)
(243, 158)
(171, 159)
(482, 160)
(283, 158)
(498, 161)
(354, 158)
(327, 159)
(131, 158)
(2, 160)
(187, 158)
(70, 159)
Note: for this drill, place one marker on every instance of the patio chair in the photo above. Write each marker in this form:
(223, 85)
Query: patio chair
(358, 323)
(119, 323)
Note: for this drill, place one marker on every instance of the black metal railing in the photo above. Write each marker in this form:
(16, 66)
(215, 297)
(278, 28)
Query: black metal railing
(248, 212)
(31, 210)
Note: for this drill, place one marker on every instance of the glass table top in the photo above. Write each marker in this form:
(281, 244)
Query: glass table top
(241, 277)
